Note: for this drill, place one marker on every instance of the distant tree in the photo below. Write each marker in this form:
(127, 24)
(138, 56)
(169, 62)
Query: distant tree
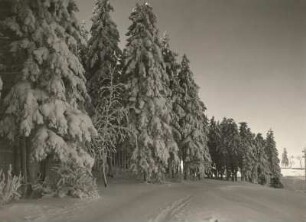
(285, 160)
(272, 154)
(147, 97)
(44, 110)
(214, 138)
(229, 147)
(193, 124)
(291, 161)
(247, 152)
(261, 168)
(300, 159)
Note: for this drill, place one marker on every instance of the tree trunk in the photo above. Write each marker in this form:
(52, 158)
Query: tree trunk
(17, 159)
(114, 157)
(185, 172)
(104, 162)
(226, 174)
(31, 167)
(23, 147)
(145, 177)
(104, 175)
(30, 163)
(125, 161)
(44, 167)
(122, 160)
(110, 166)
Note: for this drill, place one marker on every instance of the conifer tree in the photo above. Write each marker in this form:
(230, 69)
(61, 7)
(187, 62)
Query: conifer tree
(103, 73)
(229, 147)
(193, 123)
(246, 148)
(273, 160)
(103, 50)
(45, 108)
(221, 149)
(213, 145)
(83, 46)
(147, 96)
(172, 69)
(261, 167)
(285, 160)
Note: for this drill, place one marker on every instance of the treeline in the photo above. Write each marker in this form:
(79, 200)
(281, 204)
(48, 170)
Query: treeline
(236, 149)
(78, 97)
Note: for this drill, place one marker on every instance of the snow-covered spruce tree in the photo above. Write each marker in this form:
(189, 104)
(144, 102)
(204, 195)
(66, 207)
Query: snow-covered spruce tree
(207, 157)
(172, 69)
(103, 50)
(193, 124)
(273, 160)
(229, 147)
(261, 166)
(213, 145)
(247, 152)
(83, 45)
(221, 149)
(147, 97)
(104, 88)
(45, 107)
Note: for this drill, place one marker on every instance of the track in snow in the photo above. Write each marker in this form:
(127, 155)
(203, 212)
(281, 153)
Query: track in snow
(172, 212)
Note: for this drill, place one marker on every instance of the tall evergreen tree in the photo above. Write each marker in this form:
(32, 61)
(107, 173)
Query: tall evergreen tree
(272, 155)
(103, 50)
(247, 152)
(229, 147)
(103, 55)
(261, 167)
(193, 123)
(147, 96)
(285, 160)
(213, 145)
(45, 108)
(172, 69)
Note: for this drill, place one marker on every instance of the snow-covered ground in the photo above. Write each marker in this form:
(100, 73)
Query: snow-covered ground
(293, 172)
(131, 201)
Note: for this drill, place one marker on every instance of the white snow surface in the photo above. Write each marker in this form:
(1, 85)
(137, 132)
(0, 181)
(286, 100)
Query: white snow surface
(132, 201)
(293, 172)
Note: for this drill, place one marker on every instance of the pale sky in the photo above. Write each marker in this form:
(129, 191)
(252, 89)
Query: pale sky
(248, 57)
